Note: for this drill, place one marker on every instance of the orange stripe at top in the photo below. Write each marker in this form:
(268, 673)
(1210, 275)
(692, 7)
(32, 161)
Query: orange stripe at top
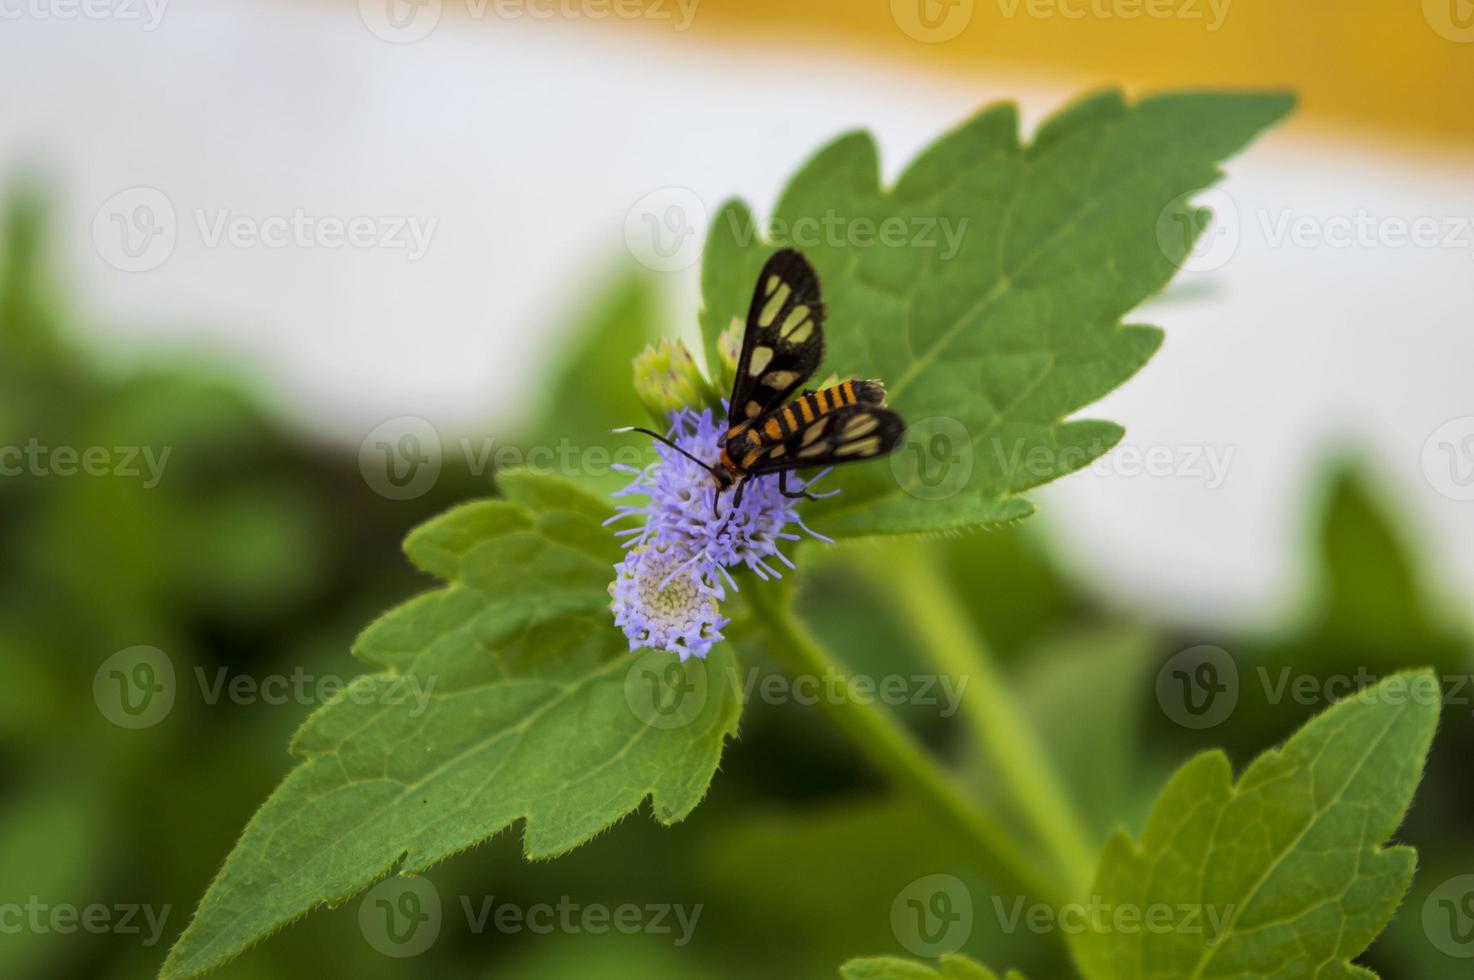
(1385, 71)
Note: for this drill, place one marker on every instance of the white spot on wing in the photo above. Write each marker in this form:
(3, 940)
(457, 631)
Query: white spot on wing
(862, 447)
(779, 380)
(761, 357)
(774, 304)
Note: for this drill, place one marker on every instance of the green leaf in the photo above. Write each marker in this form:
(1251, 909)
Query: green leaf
(1283, 875)
(501, 697)
(988, 286)
(950, 967)
(1374, 593)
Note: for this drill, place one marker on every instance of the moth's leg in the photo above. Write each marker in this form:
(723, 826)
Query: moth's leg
(736, 502)
(783, 488)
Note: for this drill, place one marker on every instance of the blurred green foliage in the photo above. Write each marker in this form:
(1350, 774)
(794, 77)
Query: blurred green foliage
(262, 552)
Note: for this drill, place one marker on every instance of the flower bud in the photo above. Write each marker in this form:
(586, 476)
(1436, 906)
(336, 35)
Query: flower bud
(667, 379)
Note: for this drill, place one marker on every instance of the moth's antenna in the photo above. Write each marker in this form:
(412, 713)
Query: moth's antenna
(660, 438)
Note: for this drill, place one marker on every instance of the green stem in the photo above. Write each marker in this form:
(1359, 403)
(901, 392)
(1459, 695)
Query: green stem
(896, 753)
(1007, 739)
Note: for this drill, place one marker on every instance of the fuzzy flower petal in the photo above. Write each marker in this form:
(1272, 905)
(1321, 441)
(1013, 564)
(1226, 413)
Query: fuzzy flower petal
(690, 529)
(683, 513)
(658, 601)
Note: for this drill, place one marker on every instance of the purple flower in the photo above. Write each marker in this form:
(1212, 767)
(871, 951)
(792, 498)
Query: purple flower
(694, 543)
(659, 603)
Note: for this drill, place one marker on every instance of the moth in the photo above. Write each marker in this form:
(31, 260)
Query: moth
(782, 348)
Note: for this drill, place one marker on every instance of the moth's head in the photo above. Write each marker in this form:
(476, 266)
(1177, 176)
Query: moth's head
(723, 472)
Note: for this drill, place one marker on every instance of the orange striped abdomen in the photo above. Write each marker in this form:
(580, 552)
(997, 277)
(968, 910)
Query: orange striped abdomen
(842, 395)
(750, 441)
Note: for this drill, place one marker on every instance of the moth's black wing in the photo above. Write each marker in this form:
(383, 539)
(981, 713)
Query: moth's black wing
(844, 435)
(784, 342)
